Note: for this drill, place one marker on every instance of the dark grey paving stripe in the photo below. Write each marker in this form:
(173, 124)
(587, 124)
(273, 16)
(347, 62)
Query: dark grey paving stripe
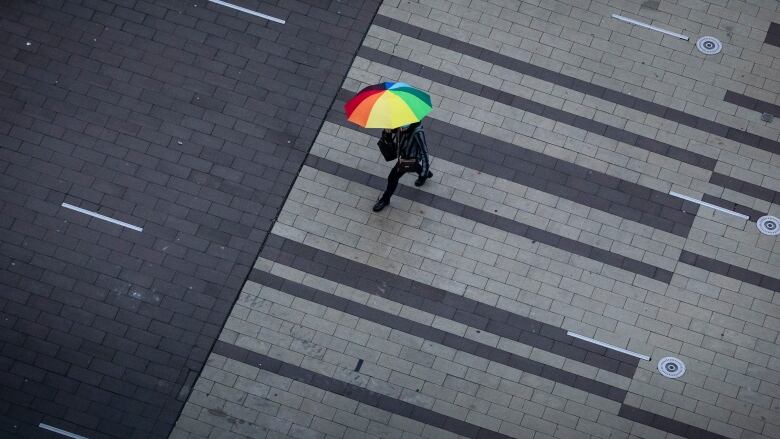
(752, 103)
(355, 393)
(499, 222)
(443, 303)
(746, 188)
(729, 270)
(772, 34)
(749, 211)
(663, 423)
(548, 174)
(438, 336)
(530, 106)
(598, 91)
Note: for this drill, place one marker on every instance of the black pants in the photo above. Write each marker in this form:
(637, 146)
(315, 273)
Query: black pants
(392, 180)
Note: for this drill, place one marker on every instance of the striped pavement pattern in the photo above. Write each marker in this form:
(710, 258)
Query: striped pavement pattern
(446, 315)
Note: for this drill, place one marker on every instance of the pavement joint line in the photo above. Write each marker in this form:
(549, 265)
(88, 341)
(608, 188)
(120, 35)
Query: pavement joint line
(521, 165)
(711, 206)
(60, 431)
(103, 217)
(582, 86)
(358, 393)
(530, 106)
(505, 224)
(428, 298)
(608, 346)
(440, 336)
(649, 26)
(402, 408)
(248, 11)
(132, 168)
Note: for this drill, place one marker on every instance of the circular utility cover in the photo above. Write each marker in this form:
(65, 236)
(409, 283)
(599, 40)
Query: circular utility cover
(709, 45)
(768, 225)
(671, 367)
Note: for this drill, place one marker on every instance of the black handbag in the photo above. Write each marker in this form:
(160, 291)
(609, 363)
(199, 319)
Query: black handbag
(407, 165)
(387, 148)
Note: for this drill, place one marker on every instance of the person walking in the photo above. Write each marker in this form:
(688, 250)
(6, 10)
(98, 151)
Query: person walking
(412, 152)
(397, 108)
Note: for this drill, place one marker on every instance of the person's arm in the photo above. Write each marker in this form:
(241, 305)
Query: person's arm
(422, 146)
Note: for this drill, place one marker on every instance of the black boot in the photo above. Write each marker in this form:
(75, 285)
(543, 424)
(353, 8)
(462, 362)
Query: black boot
(421, 180)
(380, 204)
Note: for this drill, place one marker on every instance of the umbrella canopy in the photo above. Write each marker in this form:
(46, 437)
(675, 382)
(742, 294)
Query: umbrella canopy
(388, 105)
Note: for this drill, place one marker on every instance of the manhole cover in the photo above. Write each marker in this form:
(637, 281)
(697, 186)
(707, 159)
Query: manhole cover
(768, 225)
(671, 367)
(709, 45)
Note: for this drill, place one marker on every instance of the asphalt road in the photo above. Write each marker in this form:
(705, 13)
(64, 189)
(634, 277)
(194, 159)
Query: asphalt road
(185, 119)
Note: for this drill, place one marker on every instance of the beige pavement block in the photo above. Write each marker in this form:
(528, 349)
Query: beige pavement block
(549, 35)
(725, 330)
(457, 385)
(541, 98)
(458, 183)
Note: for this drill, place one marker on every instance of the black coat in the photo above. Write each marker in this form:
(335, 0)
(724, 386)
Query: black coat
(410, 143)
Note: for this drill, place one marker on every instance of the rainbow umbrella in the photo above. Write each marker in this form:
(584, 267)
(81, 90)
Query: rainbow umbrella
(388, 105)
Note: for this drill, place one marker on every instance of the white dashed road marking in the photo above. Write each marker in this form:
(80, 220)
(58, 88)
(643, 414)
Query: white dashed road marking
(711, 206)
(60, 431)
(248, 11)
(103, 217)
(650, 26)
(608, 346)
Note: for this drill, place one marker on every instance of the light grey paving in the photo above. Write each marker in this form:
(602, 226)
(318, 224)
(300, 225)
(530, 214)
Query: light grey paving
(725, 330)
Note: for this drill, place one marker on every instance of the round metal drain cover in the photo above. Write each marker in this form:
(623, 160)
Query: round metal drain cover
(671, 367)
(768, 225)
(709, 45)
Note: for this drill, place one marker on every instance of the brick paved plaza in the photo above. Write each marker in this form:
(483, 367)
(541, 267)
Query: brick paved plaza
(528, 290)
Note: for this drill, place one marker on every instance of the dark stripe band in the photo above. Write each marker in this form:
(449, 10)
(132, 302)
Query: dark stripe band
(663, 423)
(732, 271)
(744, 210)
(355, 393)
(746, 188)
(548, 112)
(752, 103)
(438, 336)
(499, 222)
(585, 87)
(772, 34)
(548, 174)
(445, 304)
(421, 414)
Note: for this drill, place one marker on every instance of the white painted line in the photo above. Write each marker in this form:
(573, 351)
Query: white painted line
(711, 206)
(60, 431)
(103, 217)
(649, 26)
(608, 346)
(248, 11)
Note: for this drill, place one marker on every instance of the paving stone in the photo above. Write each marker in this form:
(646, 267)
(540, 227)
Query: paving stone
(645, 105)
(144, 180)
(707, 307)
